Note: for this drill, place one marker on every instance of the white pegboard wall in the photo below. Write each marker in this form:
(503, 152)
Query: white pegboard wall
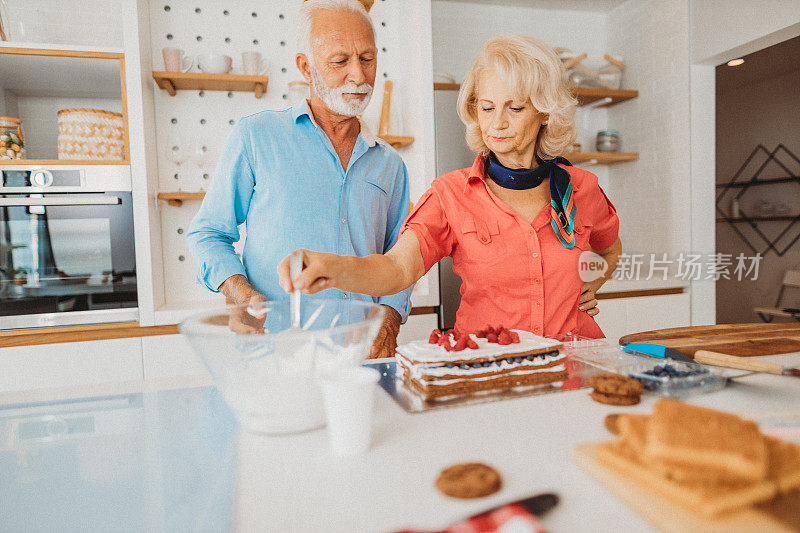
(195, 119)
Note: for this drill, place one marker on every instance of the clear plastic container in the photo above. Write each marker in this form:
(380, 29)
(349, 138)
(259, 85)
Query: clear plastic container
(600, 354)
(12, 143)
(610, 74)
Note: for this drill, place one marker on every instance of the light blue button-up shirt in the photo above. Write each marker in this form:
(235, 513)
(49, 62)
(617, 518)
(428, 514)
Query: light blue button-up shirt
(280, 175)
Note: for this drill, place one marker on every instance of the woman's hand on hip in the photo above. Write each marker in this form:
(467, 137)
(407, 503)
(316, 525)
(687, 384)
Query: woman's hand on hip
(319, 272)
(587, 301)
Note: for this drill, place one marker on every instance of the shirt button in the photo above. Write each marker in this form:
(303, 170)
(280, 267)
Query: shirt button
(534, 254)
(537, 281)
(537, 329)
(538, 304)
(344, 220)
(344, 296)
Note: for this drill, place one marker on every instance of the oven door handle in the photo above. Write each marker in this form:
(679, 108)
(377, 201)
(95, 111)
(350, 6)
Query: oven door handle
(61, 200)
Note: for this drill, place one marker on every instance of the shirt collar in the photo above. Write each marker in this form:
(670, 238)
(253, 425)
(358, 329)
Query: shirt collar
(476, 173)
(302, 109)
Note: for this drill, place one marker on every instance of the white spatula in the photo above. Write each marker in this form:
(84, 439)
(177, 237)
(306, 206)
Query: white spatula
(295, 268)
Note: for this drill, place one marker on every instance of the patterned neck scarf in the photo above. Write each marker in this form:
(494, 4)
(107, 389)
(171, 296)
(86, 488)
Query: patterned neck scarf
(562, 208)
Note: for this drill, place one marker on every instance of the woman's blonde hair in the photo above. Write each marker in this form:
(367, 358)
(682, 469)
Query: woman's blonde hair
(533, 72)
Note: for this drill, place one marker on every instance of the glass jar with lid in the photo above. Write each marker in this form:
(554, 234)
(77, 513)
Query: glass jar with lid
(607, 141)
(12, 143)
(610, 74)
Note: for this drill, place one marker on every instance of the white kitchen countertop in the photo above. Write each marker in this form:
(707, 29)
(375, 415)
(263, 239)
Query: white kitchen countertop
(183, 452)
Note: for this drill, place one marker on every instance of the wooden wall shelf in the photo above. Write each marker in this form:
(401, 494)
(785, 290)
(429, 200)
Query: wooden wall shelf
(176, 199)
(601, 158)
(446, 86)
(774, 218)
(589, 95)
(766, 181)
(22, 162)
(585, 95)
(200, 81)
(397, 141)
(26, 48)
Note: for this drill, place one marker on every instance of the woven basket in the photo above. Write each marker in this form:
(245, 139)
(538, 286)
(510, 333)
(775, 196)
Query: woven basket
(90, 134)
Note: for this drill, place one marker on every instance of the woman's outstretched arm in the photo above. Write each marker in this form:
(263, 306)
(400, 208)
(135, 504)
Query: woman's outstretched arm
(374, 275)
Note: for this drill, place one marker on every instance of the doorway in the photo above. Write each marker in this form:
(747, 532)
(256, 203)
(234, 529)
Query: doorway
(757, 180)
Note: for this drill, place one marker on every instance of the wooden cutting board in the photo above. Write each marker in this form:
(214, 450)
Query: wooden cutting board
(644, 498)
(745, 340)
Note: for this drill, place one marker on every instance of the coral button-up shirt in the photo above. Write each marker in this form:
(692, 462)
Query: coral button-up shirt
(514, 273)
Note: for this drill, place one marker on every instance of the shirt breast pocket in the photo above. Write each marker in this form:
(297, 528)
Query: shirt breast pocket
(582, 233)
(377, 185)
(481, 242)
(372, 198)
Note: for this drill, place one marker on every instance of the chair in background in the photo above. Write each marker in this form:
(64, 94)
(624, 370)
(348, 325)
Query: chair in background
(791, 279)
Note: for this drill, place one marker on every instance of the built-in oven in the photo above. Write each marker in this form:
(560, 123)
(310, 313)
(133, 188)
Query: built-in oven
(66, 245)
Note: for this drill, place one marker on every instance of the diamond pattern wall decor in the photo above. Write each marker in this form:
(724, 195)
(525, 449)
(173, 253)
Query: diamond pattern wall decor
(770, 244)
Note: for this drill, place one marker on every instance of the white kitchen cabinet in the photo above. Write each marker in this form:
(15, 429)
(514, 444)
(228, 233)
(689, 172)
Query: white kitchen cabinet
(613, 317)
(170, 356)
(622, 316)
(70, 363)
(417, 327)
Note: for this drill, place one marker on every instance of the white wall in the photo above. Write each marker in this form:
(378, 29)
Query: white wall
(86, 22)
(461, 28)
(722, 27)
(39, 115)
(652, 194)
(765, 113)
(8, 104)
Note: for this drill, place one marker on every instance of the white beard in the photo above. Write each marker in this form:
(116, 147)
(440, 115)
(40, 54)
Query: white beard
(334, 97)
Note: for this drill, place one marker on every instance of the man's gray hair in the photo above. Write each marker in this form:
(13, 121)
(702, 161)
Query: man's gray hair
(304, 20)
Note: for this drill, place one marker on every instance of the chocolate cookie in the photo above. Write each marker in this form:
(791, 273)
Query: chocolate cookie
(614, 384)
(614, 399)
(469, 480)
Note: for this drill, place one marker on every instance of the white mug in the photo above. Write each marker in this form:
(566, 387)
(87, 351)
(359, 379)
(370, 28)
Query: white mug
(214, 63)
(175, 60)
(253, 65)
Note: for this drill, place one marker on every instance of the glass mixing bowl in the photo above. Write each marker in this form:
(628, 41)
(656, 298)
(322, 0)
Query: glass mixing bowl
(268, 371)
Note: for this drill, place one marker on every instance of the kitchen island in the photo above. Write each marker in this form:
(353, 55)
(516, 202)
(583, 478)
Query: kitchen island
(167, 455)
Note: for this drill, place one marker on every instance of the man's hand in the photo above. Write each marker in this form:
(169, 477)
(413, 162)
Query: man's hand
(239, 291)
(386, 341)
(241, 321)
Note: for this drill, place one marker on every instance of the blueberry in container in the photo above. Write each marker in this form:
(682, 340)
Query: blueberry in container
(663, 377)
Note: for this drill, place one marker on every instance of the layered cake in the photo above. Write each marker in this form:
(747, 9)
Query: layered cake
(454, 363)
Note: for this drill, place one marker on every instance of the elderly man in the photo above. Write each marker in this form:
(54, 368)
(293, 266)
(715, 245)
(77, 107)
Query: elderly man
(312, 176)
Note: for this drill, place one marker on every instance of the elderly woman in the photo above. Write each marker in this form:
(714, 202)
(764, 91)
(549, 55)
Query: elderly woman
(515, 223)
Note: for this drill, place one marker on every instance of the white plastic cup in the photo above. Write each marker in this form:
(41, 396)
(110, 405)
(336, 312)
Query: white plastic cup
(176, 61)
(214, 63)
(253, 65)
(349, 397)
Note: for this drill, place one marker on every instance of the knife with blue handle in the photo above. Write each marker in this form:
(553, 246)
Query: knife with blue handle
(657, 350)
